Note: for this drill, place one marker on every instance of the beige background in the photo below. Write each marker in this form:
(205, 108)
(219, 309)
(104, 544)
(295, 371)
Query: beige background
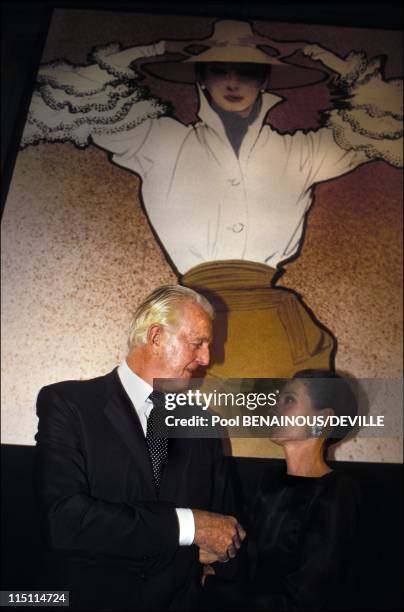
(78, 254)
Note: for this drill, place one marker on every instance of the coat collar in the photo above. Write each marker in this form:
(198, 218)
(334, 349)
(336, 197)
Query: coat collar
(123, 417)
(211, 119)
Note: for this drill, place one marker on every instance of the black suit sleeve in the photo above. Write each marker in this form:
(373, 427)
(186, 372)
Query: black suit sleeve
(74, 520)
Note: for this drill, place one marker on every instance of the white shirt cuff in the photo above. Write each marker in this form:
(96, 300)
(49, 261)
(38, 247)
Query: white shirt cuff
(187, 526)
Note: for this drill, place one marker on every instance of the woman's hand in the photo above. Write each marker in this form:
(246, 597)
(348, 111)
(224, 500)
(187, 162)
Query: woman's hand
(208, 570)
(206, 557)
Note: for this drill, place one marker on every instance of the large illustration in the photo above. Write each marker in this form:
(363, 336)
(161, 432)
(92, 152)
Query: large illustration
(227, 191)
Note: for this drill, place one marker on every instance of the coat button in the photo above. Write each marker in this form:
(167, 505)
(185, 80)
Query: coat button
(236, 228)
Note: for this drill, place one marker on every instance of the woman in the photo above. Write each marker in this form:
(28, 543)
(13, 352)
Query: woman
(302, 532)
(227, 195)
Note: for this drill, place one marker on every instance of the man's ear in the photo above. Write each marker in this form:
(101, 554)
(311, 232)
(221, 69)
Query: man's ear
(155, 337)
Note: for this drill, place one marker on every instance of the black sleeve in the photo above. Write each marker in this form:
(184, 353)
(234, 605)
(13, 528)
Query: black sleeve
(226, 490)
(226, 500)
(320, 569)
(74, 520)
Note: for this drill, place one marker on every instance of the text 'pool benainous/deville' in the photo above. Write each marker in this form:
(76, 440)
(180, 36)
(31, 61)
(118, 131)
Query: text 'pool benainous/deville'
(255, 420)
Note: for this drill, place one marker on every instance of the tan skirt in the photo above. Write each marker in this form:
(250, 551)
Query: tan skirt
(260, 331)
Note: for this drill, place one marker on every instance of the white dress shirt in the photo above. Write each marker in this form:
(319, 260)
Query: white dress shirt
(138, 392)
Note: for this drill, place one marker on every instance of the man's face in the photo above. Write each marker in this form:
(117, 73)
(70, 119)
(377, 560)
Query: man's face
(187, 347)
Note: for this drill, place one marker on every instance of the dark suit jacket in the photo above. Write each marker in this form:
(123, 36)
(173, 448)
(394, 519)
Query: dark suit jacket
(118, 539)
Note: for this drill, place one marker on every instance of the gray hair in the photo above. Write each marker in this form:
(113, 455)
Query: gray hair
(161, 307)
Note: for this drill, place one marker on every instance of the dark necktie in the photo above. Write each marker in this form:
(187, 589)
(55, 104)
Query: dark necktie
(156, 443)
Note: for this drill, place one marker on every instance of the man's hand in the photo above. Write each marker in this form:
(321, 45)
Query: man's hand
(218, 534)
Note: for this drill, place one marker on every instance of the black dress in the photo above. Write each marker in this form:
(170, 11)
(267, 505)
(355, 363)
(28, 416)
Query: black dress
(298, 555)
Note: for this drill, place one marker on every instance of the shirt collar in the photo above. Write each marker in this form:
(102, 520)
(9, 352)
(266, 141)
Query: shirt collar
(137, 389)
(209, 116)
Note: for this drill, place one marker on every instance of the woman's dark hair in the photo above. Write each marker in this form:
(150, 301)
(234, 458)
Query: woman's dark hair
(329, 390)
(260, 71)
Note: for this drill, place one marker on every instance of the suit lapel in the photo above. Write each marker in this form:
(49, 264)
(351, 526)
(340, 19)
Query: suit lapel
(123, 417)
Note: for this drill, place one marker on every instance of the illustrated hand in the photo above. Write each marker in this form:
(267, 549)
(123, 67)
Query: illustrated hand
(218, 534)
(329, 59)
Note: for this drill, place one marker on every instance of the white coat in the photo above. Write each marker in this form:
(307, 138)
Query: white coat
(205, 202)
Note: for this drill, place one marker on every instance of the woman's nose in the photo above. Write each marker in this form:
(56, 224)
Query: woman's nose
(232, 80)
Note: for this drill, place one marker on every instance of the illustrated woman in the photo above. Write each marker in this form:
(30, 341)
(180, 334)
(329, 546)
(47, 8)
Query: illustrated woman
(227, 195)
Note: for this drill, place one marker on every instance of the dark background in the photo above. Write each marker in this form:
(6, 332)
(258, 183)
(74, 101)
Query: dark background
(26, 563)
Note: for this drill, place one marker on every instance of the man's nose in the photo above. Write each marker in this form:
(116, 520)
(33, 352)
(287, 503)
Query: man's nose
(203, 356)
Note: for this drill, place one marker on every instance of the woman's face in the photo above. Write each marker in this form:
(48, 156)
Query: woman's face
(294, 400)
(234, 87)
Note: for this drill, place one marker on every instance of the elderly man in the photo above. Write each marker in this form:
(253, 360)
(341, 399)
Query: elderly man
(129, 513)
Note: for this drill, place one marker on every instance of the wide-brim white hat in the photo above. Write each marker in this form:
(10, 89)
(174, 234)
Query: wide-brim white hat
(230, 42)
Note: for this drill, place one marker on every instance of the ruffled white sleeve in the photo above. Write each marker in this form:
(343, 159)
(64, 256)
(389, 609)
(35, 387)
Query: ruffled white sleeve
(73, 103)
(368, 117)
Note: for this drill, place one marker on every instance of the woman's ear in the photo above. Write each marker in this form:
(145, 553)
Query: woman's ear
(200, 75)
(326, 412)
